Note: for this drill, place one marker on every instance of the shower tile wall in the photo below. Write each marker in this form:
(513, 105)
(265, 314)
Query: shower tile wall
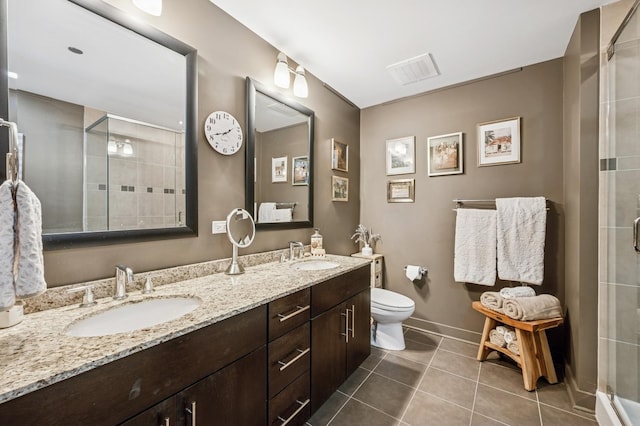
(619, 342)
(142, 190)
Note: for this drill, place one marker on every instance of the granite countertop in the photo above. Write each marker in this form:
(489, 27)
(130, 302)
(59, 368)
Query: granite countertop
(36, 352)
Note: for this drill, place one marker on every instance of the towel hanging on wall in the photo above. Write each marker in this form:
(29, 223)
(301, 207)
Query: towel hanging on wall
(475, 247)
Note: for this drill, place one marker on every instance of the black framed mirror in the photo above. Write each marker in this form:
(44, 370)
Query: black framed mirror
(279, 159)
(107, 111)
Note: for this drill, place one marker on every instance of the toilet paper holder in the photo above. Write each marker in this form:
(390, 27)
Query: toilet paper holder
(423, 271)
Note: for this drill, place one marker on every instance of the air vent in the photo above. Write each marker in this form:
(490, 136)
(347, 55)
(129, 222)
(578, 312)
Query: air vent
(413, 70)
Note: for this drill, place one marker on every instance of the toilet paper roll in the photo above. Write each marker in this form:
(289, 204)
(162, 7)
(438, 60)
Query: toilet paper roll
(413, 272)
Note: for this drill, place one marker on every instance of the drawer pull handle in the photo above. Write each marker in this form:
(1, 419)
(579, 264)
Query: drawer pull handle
(166, 422)
(299, 310)
(295, 413)
(301, 353)
(346, 325)
(353, 320)
(192, 412)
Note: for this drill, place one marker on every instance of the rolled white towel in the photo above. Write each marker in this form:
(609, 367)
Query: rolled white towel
(543, 306)
(502, 329)
(492, 300)
(497, 338)
(513, 347)
(513, 292)
(510, 336)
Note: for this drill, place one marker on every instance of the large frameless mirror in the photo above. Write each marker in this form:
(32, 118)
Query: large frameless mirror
(106, 110)
(279, 160)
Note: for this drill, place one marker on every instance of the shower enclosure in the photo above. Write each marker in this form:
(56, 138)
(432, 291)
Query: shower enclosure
(618, 399)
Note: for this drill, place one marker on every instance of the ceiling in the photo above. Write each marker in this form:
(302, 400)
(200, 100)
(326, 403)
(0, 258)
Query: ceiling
(349, 44)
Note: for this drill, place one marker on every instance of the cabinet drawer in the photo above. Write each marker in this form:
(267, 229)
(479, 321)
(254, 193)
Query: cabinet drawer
(291, 404)
(336, 290)
(288, 312)
(289, 357)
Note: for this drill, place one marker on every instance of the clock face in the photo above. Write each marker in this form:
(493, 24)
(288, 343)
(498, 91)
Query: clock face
(223, 132)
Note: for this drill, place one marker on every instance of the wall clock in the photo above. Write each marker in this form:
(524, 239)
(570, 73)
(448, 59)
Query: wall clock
(223, 132)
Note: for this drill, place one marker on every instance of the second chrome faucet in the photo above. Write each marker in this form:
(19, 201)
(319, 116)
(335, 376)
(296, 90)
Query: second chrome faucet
(124, 276)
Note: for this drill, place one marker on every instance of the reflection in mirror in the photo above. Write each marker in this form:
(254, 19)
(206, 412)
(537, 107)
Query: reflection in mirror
(279, 162)
(106, 110)
(241, 231)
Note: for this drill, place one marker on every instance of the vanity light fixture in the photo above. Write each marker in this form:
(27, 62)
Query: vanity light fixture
(12, 74)
(281, 77)
(126, 148)
(152, 7)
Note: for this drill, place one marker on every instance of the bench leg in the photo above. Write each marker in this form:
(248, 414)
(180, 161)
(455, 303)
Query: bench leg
(483, 351)
(530, 371)
(544, 357)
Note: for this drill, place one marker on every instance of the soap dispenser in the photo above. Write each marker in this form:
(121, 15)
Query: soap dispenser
(316, 242)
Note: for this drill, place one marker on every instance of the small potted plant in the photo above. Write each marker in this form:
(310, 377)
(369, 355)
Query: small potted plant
(366, 237)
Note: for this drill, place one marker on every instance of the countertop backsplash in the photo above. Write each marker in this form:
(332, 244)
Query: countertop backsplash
(57, 297)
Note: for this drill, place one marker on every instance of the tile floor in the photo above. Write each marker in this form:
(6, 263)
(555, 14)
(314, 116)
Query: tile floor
(437, 381)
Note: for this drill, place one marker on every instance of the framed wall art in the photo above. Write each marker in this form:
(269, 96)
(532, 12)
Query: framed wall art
(499, 142)
(279, 169)
(445, 154)
(300, 172)
(401, 191)
(401, 156)
(339, 156)
(339, 188)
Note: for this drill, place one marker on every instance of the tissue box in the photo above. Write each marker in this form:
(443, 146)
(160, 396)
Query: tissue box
(12, 316)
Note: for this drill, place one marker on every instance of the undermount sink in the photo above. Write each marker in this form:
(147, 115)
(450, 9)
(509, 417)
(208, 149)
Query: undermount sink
(133, 316)
(314, 265)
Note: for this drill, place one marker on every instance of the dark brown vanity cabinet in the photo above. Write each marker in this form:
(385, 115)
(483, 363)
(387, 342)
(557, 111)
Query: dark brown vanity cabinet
(340, 331)
(289, 359)
(222, 365)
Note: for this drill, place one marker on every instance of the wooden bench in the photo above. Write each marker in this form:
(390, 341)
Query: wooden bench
(535, 357)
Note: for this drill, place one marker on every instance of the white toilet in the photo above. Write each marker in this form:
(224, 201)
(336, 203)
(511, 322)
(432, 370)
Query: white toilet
(388, 310)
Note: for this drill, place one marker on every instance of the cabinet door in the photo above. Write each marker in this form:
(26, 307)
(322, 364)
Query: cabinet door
(162, 414)
(235, 395)
(328, 352)
(359, 346)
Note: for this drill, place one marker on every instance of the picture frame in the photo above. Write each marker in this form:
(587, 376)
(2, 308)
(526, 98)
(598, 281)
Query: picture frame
(300, 170)
(445, 154)
(279, 169)
(401, 191)
(339, 188)
(339, 156)
(499, 142)
(400, 154)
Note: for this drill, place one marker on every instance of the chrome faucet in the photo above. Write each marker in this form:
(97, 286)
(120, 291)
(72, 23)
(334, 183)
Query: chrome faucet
(124, 275)
(292, 249)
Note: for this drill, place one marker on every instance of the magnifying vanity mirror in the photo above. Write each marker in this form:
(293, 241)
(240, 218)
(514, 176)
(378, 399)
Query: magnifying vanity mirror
(106, 108)
(241, 231)
(279, 159)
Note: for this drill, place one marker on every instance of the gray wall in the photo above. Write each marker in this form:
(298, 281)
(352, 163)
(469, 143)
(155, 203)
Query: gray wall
(422, 233)
(581, 88)
(222, 68)
(53, 132)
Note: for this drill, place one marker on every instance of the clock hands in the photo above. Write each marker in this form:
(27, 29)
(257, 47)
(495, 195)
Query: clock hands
(222, 133)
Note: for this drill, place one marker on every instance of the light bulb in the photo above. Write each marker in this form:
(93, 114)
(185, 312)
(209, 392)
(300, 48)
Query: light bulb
(127, 149)
(281, 73)
(112, 147)
(300, 87)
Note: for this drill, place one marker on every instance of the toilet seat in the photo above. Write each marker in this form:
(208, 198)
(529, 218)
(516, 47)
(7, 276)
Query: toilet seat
(390, 301)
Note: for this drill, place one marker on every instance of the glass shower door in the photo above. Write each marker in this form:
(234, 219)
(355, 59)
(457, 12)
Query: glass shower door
(620, 208)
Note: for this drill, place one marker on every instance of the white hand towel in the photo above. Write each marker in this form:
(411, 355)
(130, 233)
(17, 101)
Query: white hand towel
(475, 247)
(513, 292)
(281, 215)
(492, 300)
(543, 306)
(7, 236)
(265, 213)
(30, 271)
(521, 225)
(510, 336)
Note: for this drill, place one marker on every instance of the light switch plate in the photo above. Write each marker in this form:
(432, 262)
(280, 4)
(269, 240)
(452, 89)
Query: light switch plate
(219, 227)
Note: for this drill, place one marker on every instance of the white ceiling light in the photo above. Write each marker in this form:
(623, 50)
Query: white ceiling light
(281, 77)
(152, 7)
(12, 74)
